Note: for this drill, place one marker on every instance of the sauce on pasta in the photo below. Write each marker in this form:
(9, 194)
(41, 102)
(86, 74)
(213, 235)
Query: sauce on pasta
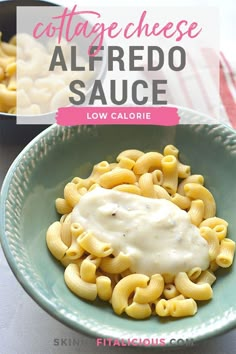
(157, 235)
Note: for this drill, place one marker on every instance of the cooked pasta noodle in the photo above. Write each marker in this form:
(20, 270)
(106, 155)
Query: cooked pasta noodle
(7, 76)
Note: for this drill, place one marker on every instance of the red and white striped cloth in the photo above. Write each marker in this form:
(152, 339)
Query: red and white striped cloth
(228, 85)
(197, 87)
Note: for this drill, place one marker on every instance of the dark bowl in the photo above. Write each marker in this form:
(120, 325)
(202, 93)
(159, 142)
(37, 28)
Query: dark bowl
(9, 130)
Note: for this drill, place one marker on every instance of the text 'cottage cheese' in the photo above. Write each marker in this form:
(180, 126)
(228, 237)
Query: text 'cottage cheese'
(157, 235)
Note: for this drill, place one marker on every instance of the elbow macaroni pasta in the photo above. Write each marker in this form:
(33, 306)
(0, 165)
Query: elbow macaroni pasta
(93, 269)
(169, 166)
(8, 75)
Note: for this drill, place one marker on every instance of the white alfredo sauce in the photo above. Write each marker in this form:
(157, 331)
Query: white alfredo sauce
(156, 233)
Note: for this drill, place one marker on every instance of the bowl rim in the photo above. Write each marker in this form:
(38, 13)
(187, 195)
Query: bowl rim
(41, 300)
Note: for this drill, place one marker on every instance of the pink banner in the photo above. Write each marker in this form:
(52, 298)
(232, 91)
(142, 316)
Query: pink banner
(68, 116)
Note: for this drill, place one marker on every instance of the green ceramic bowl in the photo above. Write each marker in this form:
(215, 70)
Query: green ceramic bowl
(37, 177)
